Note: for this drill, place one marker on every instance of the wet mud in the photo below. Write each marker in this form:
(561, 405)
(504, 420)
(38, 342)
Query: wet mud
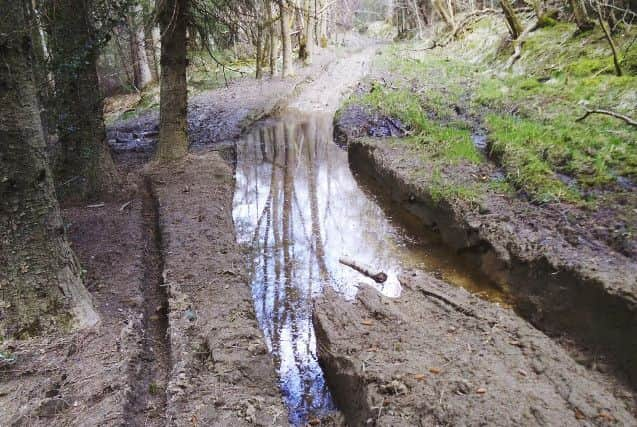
(579, 290)
(298, 211)
(438, 355)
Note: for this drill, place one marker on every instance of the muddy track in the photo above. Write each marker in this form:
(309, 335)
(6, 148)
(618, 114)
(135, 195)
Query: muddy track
(148, 404)
(438, 355)
(559, 289)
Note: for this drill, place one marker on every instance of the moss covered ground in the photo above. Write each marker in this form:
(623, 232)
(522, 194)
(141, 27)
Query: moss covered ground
(528, 112)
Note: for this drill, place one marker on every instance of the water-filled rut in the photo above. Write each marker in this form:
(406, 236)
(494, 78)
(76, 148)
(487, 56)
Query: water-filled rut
(299, 209)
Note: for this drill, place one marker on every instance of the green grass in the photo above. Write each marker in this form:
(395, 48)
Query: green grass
(530, 113)
(441, 142)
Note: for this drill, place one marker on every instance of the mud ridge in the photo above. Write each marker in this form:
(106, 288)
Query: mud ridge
(556, 288)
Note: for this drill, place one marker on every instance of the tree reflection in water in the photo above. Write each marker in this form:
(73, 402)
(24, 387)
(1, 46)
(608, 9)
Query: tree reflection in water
(299, 209)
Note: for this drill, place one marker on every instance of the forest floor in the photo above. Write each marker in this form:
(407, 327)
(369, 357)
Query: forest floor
(178, 342)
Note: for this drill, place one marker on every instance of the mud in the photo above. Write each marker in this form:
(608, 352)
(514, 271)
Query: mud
(438, 355)
(561, 278)
(221, 373)
(58, 380)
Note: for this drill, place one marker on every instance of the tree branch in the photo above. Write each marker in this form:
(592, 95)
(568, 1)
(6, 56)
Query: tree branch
(623, 117)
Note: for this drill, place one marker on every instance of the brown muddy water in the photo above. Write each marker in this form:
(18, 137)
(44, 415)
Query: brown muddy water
(299, 209)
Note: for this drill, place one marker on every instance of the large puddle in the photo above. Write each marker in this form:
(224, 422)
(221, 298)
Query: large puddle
(299, 209)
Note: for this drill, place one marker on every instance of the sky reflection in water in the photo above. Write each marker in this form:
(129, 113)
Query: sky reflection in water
(300, 209)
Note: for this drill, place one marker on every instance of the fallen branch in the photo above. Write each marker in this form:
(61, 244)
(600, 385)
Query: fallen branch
(630, 121)
(447, 300)
(518, 46)
(378, 277)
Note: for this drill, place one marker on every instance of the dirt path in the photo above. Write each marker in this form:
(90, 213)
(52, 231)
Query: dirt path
(222, 373)
(211, 370)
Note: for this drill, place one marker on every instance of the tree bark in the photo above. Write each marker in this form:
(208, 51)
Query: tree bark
(83, 164)
(515, 26)
(44, 89)
(141, 68)
(40, 287)
(173, 107)
(286, 40)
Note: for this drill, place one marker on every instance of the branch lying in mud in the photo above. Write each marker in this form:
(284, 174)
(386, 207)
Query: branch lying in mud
(626, 119)
(378, 277)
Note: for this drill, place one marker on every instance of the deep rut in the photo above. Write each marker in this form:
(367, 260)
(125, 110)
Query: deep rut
(148, 404)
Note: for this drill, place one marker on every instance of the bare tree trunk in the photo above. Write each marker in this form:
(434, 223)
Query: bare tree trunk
(418, 20)
(515, 26)
(141, 68)
(323, 38)
(155, 48)
(260, 48)
(446, 13)
(286, 41)
(611, 42)
(83, 164)
(308, 30)
(40, 286)
(273, 42)
(580, 15)
(173, 108)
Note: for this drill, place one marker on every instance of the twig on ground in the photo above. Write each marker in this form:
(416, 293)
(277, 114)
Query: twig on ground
(628, 120)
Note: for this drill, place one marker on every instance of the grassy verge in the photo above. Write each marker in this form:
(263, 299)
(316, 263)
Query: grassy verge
(529, 112)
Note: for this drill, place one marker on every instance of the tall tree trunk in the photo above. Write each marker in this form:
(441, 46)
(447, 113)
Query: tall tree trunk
(286, 40)
(611, 42)
(40, 286)
(273, 43)
(173, 108)
(155, 49)
(260, 48)
(308, 30)
(83, 163)
(580, 15)
(141, 68)
(43, 87)
(515, 26)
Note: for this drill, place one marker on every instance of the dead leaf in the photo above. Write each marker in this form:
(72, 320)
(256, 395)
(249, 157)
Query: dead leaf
(605, 415)
(419, 377)
(314, 422)
(579, 414)
(435, 371)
